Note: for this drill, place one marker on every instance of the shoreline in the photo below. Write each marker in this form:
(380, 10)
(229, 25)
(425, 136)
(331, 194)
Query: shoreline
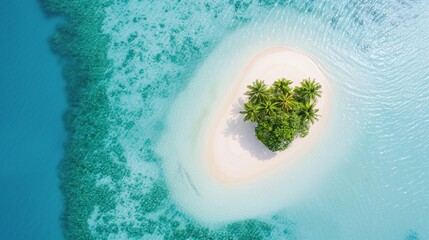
(233, 154)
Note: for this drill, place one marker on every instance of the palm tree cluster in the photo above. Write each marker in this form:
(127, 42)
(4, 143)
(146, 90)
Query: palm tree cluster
(281, 112)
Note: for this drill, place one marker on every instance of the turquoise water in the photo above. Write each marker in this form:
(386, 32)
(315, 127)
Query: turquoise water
(32, 101)
(130, 64)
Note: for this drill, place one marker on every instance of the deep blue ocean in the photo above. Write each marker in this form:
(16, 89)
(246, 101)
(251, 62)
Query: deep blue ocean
(32, 102)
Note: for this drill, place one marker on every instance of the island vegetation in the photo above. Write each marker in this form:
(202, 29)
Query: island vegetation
(282, 113)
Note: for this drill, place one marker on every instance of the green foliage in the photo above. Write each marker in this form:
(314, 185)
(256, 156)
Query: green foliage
(282, 113)
(258, 92)
(251, 112)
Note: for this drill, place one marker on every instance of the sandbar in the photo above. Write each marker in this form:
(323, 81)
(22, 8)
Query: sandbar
(232, 152)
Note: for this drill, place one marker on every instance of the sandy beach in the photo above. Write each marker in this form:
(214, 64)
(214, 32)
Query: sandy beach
(212, 159)
(233, 153)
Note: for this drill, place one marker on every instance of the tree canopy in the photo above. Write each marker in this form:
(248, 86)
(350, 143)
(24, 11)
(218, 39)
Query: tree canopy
(282, 113)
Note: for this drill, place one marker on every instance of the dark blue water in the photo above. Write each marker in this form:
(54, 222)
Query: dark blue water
(32, 101)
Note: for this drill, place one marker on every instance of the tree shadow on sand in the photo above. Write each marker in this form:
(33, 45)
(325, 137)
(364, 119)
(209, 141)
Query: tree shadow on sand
(244, 132)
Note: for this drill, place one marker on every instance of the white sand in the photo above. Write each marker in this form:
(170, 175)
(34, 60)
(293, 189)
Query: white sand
(215, 180)
(232, 151)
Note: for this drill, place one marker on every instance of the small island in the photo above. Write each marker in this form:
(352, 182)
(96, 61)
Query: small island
(281, 112)
(232, 152)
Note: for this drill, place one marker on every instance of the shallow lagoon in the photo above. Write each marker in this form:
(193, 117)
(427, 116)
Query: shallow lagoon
(125, 82)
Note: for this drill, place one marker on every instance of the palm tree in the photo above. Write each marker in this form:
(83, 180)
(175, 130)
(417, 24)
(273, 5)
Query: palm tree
(286, 101)
(310, 89)
(282, 86)
(251, 112)
(308, 112)
(269, 107)
(258, 92)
